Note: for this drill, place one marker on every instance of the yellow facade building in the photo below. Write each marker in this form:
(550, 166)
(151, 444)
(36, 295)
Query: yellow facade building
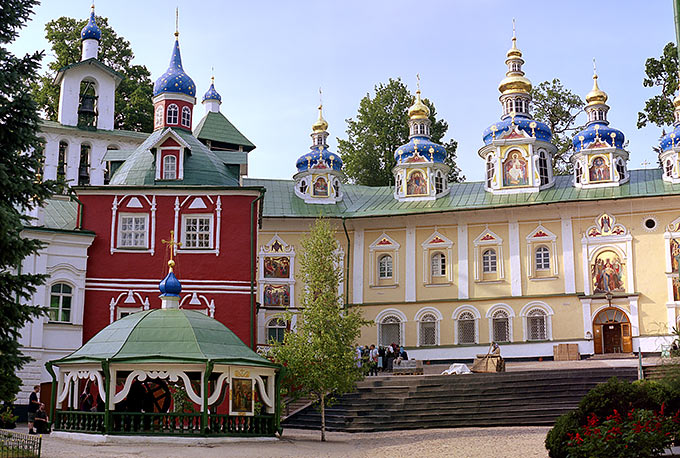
(523, 258)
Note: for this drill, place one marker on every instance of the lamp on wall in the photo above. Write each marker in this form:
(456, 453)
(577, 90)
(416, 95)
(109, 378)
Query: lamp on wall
(609, 297)
(589, 335)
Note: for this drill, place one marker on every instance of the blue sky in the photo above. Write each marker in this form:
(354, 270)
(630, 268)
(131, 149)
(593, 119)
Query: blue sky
(271, 57)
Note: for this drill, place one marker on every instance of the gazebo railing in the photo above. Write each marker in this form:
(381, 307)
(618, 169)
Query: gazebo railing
(78, 422)
(231, 425)
(171, 424)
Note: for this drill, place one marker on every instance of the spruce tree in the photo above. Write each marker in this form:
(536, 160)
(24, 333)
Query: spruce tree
(21, 161)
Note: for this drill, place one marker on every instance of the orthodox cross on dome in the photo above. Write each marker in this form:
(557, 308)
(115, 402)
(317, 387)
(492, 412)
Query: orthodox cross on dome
(172, 244)
(418, 81)
(594, 67)
(177, 22)
(514, 34)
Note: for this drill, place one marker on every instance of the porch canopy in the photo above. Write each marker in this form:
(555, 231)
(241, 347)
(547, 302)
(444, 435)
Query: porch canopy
(133, 369)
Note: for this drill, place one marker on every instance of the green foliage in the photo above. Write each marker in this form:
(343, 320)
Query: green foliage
(134, 109)
(319, 354)
(558, 107)
(7, 416)
(663, 73)
(380, 127)
(180, 399)
(21, 160)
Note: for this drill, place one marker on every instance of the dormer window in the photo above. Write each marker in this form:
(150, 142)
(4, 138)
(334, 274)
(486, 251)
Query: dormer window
(489, 170)
(578, 172)
(439, 182)
(172, 114)
(186, 117)
(543, 167)
(669, 168)
(621, 169)
(169, 167)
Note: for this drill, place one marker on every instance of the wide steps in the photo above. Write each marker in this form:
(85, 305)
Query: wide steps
(507, 399)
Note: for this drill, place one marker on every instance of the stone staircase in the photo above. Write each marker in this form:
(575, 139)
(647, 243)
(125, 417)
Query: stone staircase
(526, 398)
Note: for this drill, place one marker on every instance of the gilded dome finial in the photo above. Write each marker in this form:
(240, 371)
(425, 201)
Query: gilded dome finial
(596, 95)
(418, 110)
(514, 51)
(320, 125)
(177, 22)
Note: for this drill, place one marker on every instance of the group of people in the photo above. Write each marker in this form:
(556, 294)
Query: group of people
(380, 359)
(38, 423)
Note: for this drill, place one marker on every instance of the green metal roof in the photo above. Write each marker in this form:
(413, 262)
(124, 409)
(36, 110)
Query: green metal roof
(60, 213)
(123, 134)
(201, 166)
(117, 155)
(365, 201)
(232, 157)
(216, 127)
(166, 335)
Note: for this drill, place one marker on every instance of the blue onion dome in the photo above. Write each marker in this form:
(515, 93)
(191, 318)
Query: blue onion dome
(212, 94)
(91, 30)
(420, 149)
(529, 126)
(597, 133)
(319, 158)
(175, 80)
(170, 286)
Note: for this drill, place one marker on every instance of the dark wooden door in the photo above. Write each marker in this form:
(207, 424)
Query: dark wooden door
(612, 337)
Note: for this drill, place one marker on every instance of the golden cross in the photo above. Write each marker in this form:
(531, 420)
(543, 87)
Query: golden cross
(644, 163)
(177, 21)
(418, 80)
(212, 78)
(513, 29)
(172, 244)
(594, 67)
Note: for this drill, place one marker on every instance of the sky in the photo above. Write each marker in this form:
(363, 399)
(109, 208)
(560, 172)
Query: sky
(270, 58)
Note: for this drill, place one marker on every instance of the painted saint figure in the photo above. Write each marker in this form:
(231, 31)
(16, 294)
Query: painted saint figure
(276, 295)
(599, 170)
(276, 267)
(416, 184)
(607, 273)
(515, 172)
(321, 187)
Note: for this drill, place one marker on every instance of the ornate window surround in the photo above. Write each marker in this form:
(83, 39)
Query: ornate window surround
(388, 313)
(433, 244)
(133, 202)
(524, 314)
(488, 239)
(383, 245)
(438, 318)
(537, 237)
(277, 247)
(456, 314)
(511, 314)
(216, 221)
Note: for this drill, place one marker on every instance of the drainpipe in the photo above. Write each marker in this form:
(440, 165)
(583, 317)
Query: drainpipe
(252, 260)
(79, 216)
(206, 383)
(344, 226)
(53, 389)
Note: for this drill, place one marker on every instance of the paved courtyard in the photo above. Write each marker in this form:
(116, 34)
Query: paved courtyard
(525, 442)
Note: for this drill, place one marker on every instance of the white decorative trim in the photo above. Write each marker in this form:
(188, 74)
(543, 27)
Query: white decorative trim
(392, 312)
(537, 237)
(410, 265)
(493, 241)
(218, 226)
(171, 374)
(568, 256)
(358, 267)
(219, 386)
(515, 261)
(419, 316)
(463, 269)
(456, 314)
(430, 248)
(74, 376)
(388, 245)
(511, 315)
(524, 313)
(268, 251)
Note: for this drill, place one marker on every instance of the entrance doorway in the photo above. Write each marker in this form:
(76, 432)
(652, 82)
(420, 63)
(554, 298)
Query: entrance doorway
(611, 329)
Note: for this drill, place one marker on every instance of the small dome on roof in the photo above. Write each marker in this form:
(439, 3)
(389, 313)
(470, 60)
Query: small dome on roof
(175, 80)
(91, 29)
(212, 94)
(170, 285)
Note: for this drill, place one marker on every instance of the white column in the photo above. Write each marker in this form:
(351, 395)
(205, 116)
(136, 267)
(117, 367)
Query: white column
(358, 267)
(51, 158)
(515, 262)
(670, 316)
(73, 162)
(634, 317)
(463, 285)
(586, 269)
(587, 321)
(630, 284)
(568, 256)
(410, 261)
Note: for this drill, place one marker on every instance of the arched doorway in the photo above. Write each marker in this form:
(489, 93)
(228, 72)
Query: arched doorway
(611, 328)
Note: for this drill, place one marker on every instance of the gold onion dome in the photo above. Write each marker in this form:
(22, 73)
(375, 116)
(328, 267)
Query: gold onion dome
(596, 95)
(514, 81)
(418, 110)
(320, 125)
(514, 51)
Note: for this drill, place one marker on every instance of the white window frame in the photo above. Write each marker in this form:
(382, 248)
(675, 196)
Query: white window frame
(419, 318)
(542, 258)
(545, 308)
(438, 262)
(186, 117)
(389, 266)
(119, 238)
(492, 261)
(270, 325)
(61, 296)
(437, 243)
(490, 316)
(185, 218)
(456, 315)
(172, 114)
(383, 245)
(382, 316)
(538, 237)
(485, 240)
(166, 174)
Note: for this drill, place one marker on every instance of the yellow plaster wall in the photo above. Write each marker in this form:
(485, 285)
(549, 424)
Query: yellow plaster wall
(488, 289)
(427, 290)
(547, 283)
(380, 293)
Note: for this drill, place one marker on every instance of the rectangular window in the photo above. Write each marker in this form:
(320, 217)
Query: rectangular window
(132, 232)
(197, 232)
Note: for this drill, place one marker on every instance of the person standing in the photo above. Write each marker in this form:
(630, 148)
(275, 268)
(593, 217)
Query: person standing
(389, 357)
(33, 406)
(373, 360)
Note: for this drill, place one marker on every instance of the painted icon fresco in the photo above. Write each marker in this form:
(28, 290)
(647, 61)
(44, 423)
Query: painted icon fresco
(675, 255)
(607, 273)
(676, 289)
(515, 170)
(277, 295)
(599, 170)
(321, 187)
(416, 185)
(242, 395)
(276, 267)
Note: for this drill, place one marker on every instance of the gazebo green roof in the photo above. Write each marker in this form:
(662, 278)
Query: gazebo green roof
(166, 336)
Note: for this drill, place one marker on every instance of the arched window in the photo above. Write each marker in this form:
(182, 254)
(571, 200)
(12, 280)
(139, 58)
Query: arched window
(172, 114)
(61, 296)
(536, 325)
(159, 116)
(489, 170)
(428, 330)
(489, 261)
(303, 186)
(467, 332)
(169, 167)
(543, 167)
(500, 330)
(186, 117)
(336, 187)
(389, 331)
(669, 168)
(578, 171)
(61, 164)
(542, 258)
(385, 266)
(439, 182)
(276, 329)
(84, 165)
(621, 169)
(438, 265)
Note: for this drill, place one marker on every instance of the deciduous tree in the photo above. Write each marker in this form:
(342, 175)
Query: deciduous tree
(662, 73)
(380, 127)
(319, 354)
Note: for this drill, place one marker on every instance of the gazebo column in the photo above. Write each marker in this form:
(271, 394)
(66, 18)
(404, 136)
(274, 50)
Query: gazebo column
(53, 389)
(277, 402)
(107, 390)
(206, 380)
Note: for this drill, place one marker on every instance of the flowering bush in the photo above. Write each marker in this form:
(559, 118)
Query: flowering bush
(640, 433)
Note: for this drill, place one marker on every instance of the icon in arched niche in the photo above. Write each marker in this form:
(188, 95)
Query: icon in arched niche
(599, 170)
(416, 185)
(515, 170)
(321, 187)
(276, 267)
(277, 295)
(607, 272)
(675, 255)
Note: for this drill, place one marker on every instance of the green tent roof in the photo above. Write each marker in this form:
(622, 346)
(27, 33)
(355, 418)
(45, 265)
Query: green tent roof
(166, 336)
(366, 201)
(201, 166)
(216, 127)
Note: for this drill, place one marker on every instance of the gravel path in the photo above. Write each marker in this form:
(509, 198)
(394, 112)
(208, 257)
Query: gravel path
(525, 442)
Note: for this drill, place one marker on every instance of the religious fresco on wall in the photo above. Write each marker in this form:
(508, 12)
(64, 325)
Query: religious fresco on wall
(676, 289)
(607, 273)
(675, 255)
(276, 267)
(416, 185)
(515, 170)
(320, 187)
(599, 170)
(242, 395)
(276, 295)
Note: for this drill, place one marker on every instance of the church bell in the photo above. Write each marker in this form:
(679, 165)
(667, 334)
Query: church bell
(87, 105)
